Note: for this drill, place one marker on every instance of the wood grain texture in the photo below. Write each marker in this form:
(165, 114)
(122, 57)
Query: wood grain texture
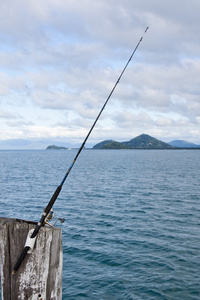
(40, 274)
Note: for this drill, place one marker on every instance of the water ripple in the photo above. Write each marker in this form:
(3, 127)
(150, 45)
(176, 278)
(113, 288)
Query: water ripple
(132, 219)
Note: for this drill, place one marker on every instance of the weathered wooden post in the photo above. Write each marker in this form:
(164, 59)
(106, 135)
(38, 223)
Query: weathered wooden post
(40, 274)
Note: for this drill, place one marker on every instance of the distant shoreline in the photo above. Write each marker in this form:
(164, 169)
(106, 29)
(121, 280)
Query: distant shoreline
(141, 142)
(72, 149)
(89, 149)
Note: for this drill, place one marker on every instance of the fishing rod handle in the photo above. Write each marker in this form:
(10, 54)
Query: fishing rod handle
(20, 259)
(37, 227)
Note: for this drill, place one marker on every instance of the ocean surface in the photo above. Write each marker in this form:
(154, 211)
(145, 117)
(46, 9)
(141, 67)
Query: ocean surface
(132, 228)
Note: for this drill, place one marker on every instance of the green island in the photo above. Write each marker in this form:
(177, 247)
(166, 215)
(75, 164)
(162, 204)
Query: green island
(143, 141)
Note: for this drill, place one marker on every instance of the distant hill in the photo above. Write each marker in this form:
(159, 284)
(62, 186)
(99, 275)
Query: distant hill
(183, 144)
(143, 141)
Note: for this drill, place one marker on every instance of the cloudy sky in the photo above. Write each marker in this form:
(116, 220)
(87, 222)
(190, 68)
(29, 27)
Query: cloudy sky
(59, 60)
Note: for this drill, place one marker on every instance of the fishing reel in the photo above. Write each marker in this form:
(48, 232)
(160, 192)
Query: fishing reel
(51, 215)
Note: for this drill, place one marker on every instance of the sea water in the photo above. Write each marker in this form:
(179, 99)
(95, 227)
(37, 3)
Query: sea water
(132, 228)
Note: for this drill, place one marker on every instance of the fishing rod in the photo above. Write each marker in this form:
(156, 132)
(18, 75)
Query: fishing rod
(31, 239)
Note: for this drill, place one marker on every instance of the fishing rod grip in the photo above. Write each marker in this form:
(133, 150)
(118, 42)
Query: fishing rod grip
(20, 259)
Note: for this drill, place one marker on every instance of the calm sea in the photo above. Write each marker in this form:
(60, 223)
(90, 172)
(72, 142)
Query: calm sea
(132, 228)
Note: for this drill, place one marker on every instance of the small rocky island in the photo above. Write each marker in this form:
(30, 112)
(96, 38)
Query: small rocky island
(53, 147)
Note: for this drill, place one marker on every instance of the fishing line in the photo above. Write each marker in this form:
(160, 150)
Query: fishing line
(58, 189)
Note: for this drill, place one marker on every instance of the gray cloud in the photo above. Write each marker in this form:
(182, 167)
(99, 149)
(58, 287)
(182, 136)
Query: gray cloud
(65, 57)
